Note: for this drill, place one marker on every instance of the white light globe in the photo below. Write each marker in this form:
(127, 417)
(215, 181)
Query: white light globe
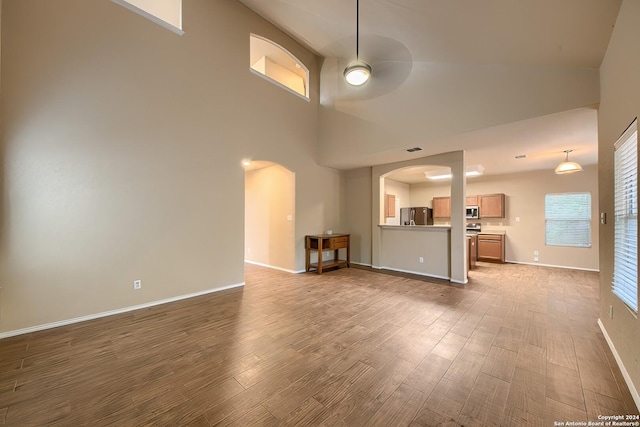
(357, 74)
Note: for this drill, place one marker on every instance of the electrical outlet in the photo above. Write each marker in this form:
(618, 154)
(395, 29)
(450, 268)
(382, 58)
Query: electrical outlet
(421, 259)
(137, 284)
(517, 219)
(535, 259)
(535, 253)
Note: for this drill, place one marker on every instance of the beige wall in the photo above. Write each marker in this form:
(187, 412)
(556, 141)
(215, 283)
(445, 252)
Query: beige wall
(358, 203)
(269, 231)
(525, 199)
(620, 103)
(122, 146)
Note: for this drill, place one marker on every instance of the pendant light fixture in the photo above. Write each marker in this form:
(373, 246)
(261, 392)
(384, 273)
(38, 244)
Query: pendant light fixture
(357, 73)
(567, 166)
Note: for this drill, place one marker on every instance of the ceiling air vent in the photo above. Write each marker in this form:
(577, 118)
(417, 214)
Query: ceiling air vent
(414, 149)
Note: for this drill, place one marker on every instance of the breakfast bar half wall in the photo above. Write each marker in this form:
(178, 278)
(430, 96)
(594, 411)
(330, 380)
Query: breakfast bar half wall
(420, 249)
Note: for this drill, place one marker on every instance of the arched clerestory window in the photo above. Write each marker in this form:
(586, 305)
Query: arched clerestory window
(278, 65)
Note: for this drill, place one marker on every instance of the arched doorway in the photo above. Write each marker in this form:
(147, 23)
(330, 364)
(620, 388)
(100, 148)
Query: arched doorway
(269, 215)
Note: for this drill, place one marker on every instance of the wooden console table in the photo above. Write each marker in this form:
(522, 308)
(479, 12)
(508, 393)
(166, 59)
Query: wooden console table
(323, 243)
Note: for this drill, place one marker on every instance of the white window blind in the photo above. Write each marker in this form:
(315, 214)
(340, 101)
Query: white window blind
(568, 219)
(625, 253)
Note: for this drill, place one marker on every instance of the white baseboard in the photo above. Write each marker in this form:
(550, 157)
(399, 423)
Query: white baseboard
(625, 374)
(273, 267)
(551, 265)
(112, 312)
(361, 263)
(414, 272)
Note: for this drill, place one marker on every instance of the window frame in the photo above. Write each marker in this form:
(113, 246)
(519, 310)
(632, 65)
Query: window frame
(276, 49)
(624, 282)
(581, 220)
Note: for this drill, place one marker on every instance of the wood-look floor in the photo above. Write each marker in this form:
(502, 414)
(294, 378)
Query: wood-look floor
(518, 345)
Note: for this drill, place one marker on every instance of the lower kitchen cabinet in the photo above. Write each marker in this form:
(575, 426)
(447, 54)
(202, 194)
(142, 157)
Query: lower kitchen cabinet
(472, 250)
(491, 247)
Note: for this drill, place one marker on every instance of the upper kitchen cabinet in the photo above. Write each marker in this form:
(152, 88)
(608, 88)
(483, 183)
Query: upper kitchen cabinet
(491, 205)
(390, 206)
(472, 201)
(442, 207)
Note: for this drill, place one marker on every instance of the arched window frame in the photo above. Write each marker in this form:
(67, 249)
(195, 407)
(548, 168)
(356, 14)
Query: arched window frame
(262, 48)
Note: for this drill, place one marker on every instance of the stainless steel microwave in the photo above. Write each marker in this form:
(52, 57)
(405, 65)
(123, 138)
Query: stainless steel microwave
(473, 212)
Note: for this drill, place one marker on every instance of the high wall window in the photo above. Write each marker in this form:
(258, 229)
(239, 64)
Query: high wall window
(278, 65)
(167, 13)
(568, 219)
(625, 252)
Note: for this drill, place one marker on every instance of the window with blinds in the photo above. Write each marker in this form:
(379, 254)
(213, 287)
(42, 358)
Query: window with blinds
(625, 254)
(568, 219)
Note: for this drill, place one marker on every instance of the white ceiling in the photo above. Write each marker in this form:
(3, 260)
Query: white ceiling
(563, 34)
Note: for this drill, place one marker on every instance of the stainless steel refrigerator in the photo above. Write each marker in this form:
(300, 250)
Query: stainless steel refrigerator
(420, 215)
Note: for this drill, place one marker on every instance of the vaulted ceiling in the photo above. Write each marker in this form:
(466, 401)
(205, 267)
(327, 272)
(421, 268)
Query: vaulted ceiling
(496, 78)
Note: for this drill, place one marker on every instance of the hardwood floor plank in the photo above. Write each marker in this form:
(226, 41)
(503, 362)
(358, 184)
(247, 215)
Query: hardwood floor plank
(560, 350)
(598, 404)
(310, 413)
(508, 338)
(465, 368)
(595, 379)
(500, 363)
(564, 385)
(400, 408)
(446, 400)
(428, 373)
(560, 412)
(337, 390)
(527, 393)
(532, 358)
(485, 403)
(480, 342)
(516, 417)
(258, 416)
(449, 346)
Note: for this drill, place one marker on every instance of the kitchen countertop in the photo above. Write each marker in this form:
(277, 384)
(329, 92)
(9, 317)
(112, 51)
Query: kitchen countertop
(499, 232)
(415, 227)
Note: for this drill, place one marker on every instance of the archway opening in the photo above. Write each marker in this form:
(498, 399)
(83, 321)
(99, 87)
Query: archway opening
(414, 186)
(269, 214)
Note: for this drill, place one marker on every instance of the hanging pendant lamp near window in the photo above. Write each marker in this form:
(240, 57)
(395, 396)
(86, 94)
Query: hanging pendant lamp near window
(567, 166)
(358, 72)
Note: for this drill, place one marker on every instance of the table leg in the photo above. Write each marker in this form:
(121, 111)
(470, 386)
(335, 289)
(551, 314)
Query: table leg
(320, 246)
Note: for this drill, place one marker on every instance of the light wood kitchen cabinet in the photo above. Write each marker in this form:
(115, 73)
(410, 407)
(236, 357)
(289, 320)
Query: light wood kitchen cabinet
(472, 201)
(442, 207)
(491, 205)
(472, 250)
(491, 247)
(390, 206)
